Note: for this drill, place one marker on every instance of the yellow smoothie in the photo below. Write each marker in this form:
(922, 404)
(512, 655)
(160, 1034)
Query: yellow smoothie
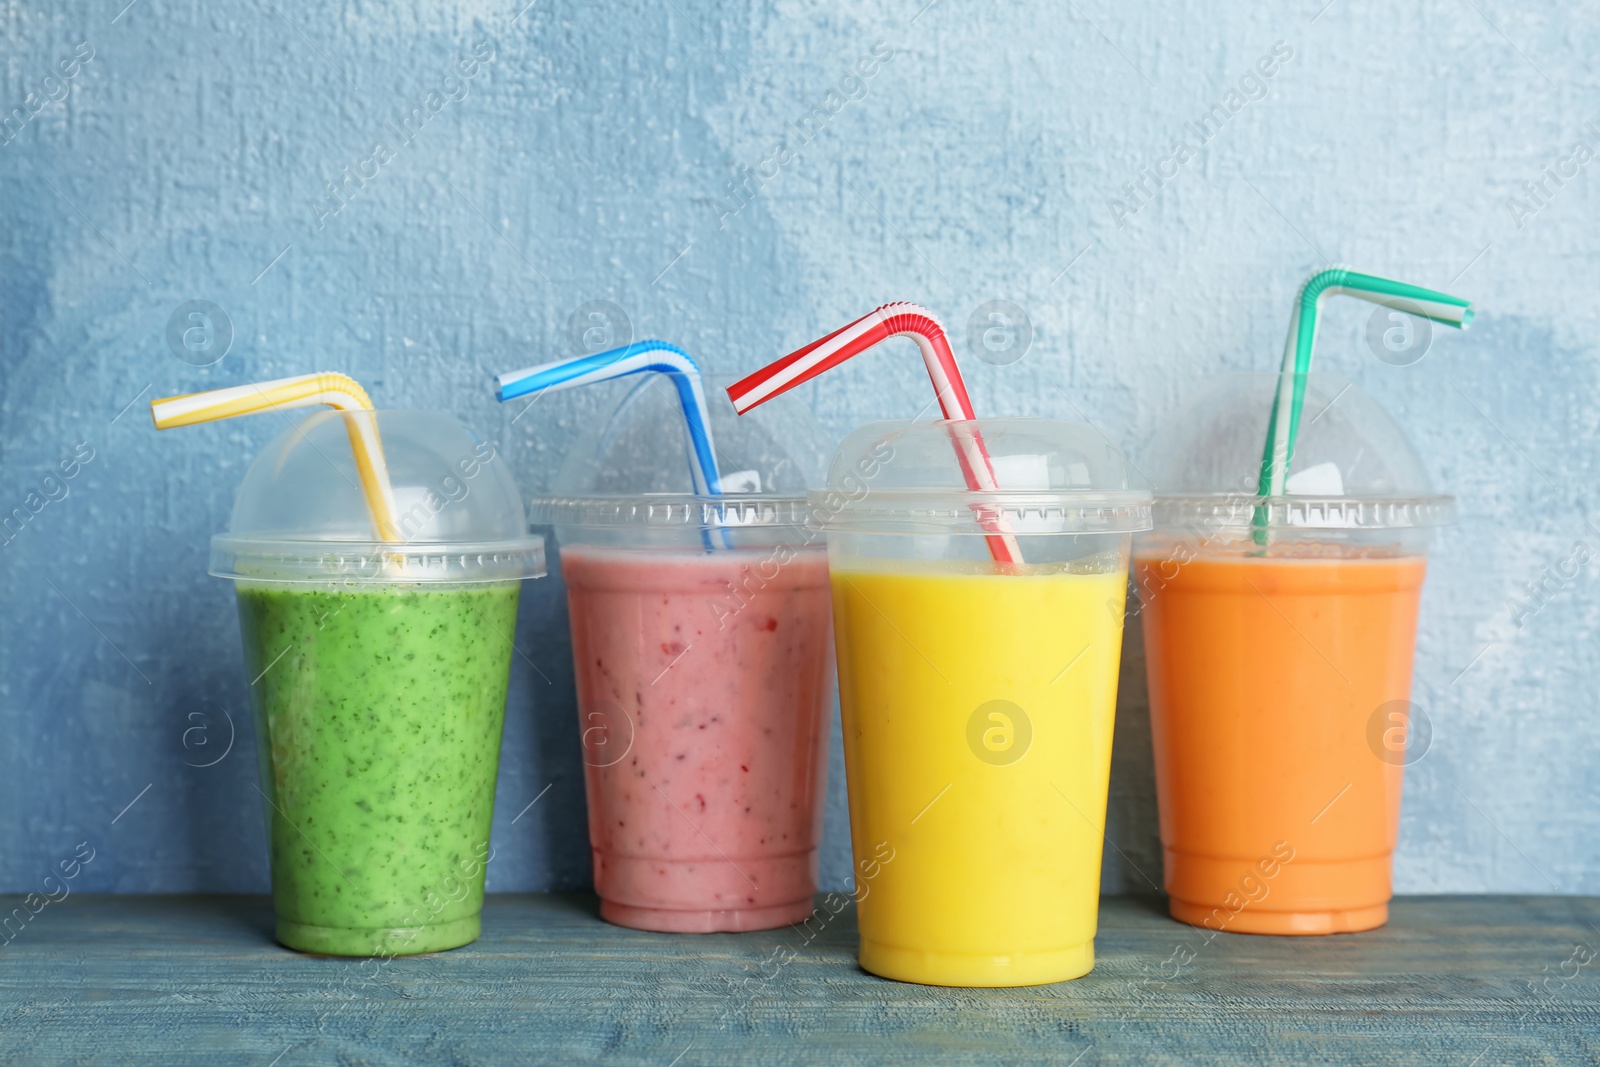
(978, 712)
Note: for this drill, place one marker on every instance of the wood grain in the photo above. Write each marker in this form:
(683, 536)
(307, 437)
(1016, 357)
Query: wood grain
(1471, 981)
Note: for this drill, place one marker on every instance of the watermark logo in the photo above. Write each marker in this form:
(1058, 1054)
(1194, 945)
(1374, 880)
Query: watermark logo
(999, 733)
(1539, 194)
(598, 326)
(1568, 971)
(1552, 579)
(56, 888)
(741, 191)
(746, 988)
(200, 749)
(1399, 732)
(50, 89)
(199, 333)
(1252, 86)
(395, 940)
(607, 733)
(999, 332)
(447, 87)
(1399, 334)
(51, 488)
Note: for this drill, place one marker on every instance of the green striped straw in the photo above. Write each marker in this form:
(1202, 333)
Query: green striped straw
(1281, 431)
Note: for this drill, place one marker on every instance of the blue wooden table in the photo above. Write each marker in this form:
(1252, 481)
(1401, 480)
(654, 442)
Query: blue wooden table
(1471, 981)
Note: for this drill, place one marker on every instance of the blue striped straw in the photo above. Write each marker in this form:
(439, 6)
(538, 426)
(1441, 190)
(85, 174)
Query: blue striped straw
(641, 357)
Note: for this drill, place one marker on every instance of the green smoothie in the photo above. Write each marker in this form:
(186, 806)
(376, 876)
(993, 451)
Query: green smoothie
(378, 711)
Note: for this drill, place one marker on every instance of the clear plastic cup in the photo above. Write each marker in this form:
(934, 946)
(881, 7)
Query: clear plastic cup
(1280, 666)
(978, 697)
(378, 676)
(700, 641)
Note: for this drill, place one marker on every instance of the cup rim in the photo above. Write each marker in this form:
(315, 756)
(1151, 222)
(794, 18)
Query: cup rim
(686, 511)
(1367, 511)
(1029, 513)
(284, 559)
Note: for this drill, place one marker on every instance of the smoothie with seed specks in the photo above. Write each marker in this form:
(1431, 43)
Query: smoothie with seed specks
(703, 680)
(378, 713)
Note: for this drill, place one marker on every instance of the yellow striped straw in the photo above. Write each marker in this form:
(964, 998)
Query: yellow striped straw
(337, 391)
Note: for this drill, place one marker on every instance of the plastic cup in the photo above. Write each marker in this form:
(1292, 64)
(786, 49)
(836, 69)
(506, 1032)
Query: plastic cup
(700, 641)
(978, 697)
(378, 677)
(1280, 674)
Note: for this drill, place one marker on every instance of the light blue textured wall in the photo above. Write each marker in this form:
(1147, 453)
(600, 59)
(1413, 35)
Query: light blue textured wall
(591, 159)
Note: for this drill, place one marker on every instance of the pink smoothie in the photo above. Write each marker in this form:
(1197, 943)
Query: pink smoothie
(702, 686)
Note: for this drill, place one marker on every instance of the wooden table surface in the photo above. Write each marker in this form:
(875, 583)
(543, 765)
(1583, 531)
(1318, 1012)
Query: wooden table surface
(1470, 981)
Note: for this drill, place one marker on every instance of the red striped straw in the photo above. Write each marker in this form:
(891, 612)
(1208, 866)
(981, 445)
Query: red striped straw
(894, 320)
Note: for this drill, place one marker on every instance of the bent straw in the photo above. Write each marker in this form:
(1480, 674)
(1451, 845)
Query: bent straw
(894, 320)
(1436, 306)
(642, 357)
(1284, 425)
(336, 391)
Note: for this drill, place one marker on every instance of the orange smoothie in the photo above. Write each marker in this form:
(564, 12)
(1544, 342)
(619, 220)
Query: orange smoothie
(1278, 815)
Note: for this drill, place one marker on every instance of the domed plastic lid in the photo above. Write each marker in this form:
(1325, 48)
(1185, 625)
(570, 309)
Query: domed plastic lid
(1052, 477)
(1352, 468)
(631, 470)
(301, 514)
